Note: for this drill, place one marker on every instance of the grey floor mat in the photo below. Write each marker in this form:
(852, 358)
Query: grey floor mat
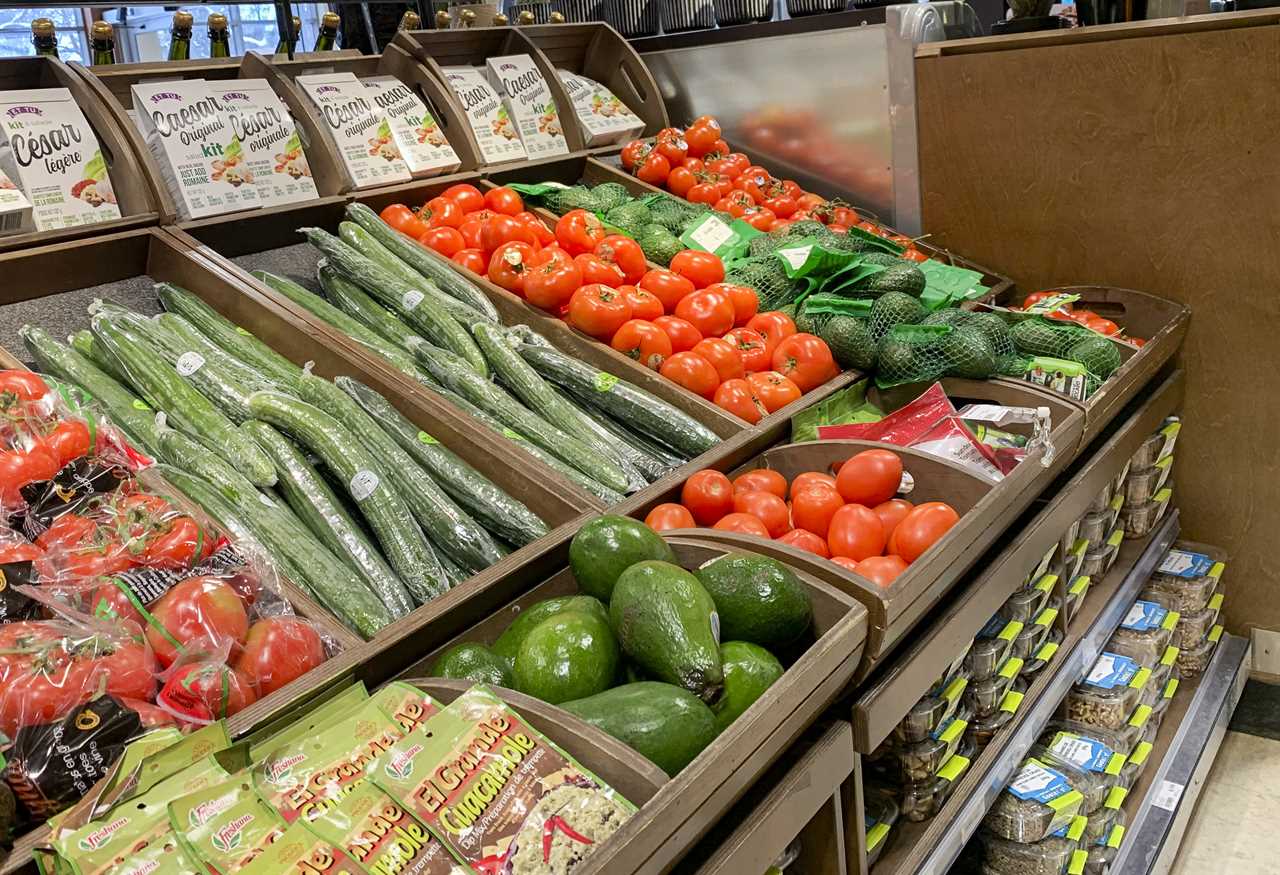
(1259, 710)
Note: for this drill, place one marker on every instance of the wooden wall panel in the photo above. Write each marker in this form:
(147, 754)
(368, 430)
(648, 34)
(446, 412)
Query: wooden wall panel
(1144, 156)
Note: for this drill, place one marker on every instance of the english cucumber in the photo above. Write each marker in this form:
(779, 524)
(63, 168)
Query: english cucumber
(235, 368)
(318, 508)
(423, 260)
(648, 467)
(352, 300)
(626, 403)
(82, 342)
(478, 495)
(388, 515)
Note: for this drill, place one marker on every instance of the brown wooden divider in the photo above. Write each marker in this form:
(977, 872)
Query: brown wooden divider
(134, 192)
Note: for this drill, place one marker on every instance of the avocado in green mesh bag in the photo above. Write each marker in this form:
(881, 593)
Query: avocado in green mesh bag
(908, 354)
(809, 322)
(967, 352)
(766, 275)
(994, 327)
(611, 194)
(901, 277)
(764, 244)
(575, 197)
(850, 341)
(1037, 337)
(807, 228)
(658, 243)
(846, 243)
(950, 316)
(630, 216)
(1097, 353)
(894, 308)
(883, 259)
(669, 214)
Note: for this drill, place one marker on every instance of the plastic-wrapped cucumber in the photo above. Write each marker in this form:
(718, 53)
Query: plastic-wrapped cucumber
(645, 444)
(515, 415)
(235, 368)
(648, 467)
(445, 524)
(628, 404)
(352, 300)
(231, 337)
(82, 342)
(367, 482)
(478, 495)
(162, 386)
(423, 260)
(316, 505)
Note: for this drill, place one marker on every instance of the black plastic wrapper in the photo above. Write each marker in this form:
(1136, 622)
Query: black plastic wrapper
(70, 491)
(15, 606)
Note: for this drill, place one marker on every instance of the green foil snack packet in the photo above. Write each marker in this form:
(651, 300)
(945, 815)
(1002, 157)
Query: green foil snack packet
(226, 826)
(308, 724)
(299, 851)
(407, 705)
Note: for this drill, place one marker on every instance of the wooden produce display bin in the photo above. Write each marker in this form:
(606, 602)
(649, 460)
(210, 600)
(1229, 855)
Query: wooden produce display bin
(437, 49)
(1160, 322)
(130, 180)
(690, 803)
(111, 86)
(986, 509)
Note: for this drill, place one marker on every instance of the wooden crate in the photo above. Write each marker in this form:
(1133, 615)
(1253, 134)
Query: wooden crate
(134, 191)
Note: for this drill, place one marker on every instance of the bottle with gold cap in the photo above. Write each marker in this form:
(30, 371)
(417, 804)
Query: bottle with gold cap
(557, 17)
(219, 36)
(283, 47)
(501, 20)
(526, 17)
(467, 17)
(44, 37)
(327, 41)
(104, 44)
(443, 19)
(180, 36)
(410, 20)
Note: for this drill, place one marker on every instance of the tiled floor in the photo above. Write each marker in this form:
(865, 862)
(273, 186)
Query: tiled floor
(1235, 829)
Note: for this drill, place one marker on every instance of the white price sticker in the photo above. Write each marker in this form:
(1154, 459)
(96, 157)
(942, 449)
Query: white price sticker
(1167, 795)
(363, 484)
(711, 234)
(796, 257)
(265, 500)
(188, 363)
(1104, 667)
(411, 299)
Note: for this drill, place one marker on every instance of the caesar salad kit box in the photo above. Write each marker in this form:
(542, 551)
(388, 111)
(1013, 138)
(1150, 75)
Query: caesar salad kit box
(487, 114)
(416, 132)
(274, 160)
(200, 160)
(528, 100)
(604, 118)
(55, 171)
(360, 128)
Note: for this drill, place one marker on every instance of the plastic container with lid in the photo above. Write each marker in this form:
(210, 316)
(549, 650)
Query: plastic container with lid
(991, 647)
(1135, 764)
(1193, 662)
(1073, 561)
(1096, 561)
(1143, 483)
(1158, 445)
(1186, 578)
(1101, 825)
(982, 729)
(1095, 786)
(1194, 627)
(1042, 657)
(921, 760)
(1114, 540)
(1109, 693)
(1049, 856)
(1076, 592)
(983, 697)
(1026, 604)
(1140, 520)
(1102, 499)
(1095, 526)
(1168, 690)
(882, 814)
(934, 708)
(1166, 669)
(1103, 852)
(923, 800)
(1034, 634)
(1038, 802)
(1144, 633)
(1069, 538)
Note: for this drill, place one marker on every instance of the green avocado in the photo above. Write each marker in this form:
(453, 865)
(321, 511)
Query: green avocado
(569, 656)
(664, 723)
(883, 259)
(968, 352)
(508, 643)
(749, 670)
(1100, 355)
(758, 599)
(608, 545)
(1037, 337)
(902, 361)
(473, 662)
(850, 341)
(904, 277)
(894, 308)
(610, 195)
(949, 316)
(665, 621)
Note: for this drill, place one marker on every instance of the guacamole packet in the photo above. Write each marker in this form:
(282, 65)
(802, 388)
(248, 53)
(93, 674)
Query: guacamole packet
(380, 835)
(299, 851)
(226, 826)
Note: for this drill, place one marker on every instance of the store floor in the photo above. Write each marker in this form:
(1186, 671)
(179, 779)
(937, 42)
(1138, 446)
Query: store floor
(1233, 829)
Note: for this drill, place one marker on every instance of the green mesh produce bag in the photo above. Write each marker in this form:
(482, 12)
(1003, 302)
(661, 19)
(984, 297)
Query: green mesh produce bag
(1051, 338)
(921, 353)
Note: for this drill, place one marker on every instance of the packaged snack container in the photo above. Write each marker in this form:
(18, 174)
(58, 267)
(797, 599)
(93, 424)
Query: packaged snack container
(1049, 856)
(982, 729)
(1034, 634)
(422, 143)
(1109, 692)
(1139, 520)
(360, 128)
(882, 812)
(1193, 662)
(1042, 657)
(991, 647)
(1192, 628)
(1159, 445)
(1142, 484)
(1185, 580)
(1038, 801)
(1076, 593)
(1101, 824)
(1094, 786)
(983, 697)
(1026, 604)
(1102, 499)
(527, 96)
(920, 761)
(923, 800)
(1096, 560)
(1095, 526)
(490, 122)
(934, 708)
(1068, 540)
(1144, 633)
(1136, 763)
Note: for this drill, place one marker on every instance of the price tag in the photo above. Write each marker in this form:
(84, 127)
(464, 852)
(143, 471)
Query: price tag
(411, 299)
(1167, 795)
(795, 257)
(188, 363)
(712, 233)
(363, 484)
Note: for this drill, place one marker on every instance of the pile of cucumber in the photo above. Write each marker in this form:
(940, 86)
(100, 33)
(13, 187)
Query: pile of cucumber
(367, 513)
(402, 301)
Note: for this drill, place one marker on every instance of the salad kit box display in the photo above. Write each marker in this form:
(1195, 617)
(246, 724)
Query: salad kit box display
(604, 118)
(529, 104)
(422, 143)
(274, 161)
(359, 125)
(487, 114)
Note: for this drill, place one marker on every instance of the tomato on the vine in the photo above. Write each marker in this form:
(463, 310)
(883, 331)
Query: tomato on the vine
(700, 268)
(701, 137)
(806, 360)
(709, 312)
(633, 153)
(278, 650)
(775, 390)
(671, 144)
(680, 180)
(466, 196)
(626, 254)
(693, 372)
(654, 169)
(445, 240)
(708, 495)
(644, 305)
(913, 254)
(440, 212)
(723, 357)
(23, 385)
(472, 258)
(810, 202)
(731, 165)
(736, 396)
(782, 205)
(667, 286)
(760, 218)
(509, 265)
(598, 310)
(551, 284)
(683, 335)
(579, 231)
(199, 612)
(644, 342)
(68, 441)
(703, 193)
(504, 200)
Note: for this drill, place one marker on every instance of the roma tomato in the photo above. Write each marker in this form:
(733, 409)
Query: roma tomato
(644, 305)
(505, 229)
(509, 265)
(440, 212)
(579, 231)
(766, 507)
(921, 529)
(736, 397)
(774, 327)
(598, 310)
(626, 254)
(693, 372)
(812, 508)
(891, 513)
(680, 180)
(644, 342)
(708, 495)
(811, 478)
(870, 477)
(761, 480)
(654, 169)
(597, 270)
(803, 539)
(700, 268)
(466, 196)
(667, 286)
(668, 516)
(723, 357)
(684, 337)
(775, 390)
(806, 360)
(504, 200)
(197, 612)
(881, 570)
(551, 284)
(447, 241)
(278, 650)
(751, 346)
(709, 312)
(472, 259)
(744, 523)
(855, 532)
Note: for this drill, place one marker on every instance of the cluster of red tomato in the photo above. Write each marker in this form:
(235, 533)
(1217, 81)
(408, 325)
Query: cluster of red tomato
(698, 165)
(34, 444)
(851, 518)
(1067, 313)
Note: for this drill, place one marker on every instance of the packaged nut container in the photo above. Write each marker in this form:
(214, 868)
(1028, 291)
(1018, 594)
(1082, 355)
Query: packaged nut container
(1185, 580)
(1142, 484)
(982, 729)
(1042, 657)
(1034, 634)
(1095, 561)
(1095, 786)
(1139, 520)
(1068, 540)
(882, 813)
(923, 800)
(934, 708)
(1159, 445)
(1095, 527)
(1026, 604)
(1102, 499)
(984, 697)
(1073, 561)
(1193, 662)
(1097, 758)
(1102, 853)
(1049, 856)
(1167, 690)
(1102, 822)
(1076, 592)
(1136, 763)
(1109, 692)
(920, 761)
(1144, 633)
(1166, 669)
(1192, 628)
(1038, 802)
(991, 647)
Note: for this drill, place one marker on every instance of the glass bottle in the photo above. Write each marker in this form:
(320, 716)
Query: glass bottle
(328, 38)
(283, 47)
(104, 44)
(44, 38)
(410, 21)
(219, 36)
(180, 37)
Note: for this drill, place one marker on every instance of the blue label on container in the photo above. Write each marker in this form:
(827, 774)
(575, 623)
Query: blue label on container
(1037, 781)
(1184, 563)
(1144, 616)
(1112, 670)
(1087, 753)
